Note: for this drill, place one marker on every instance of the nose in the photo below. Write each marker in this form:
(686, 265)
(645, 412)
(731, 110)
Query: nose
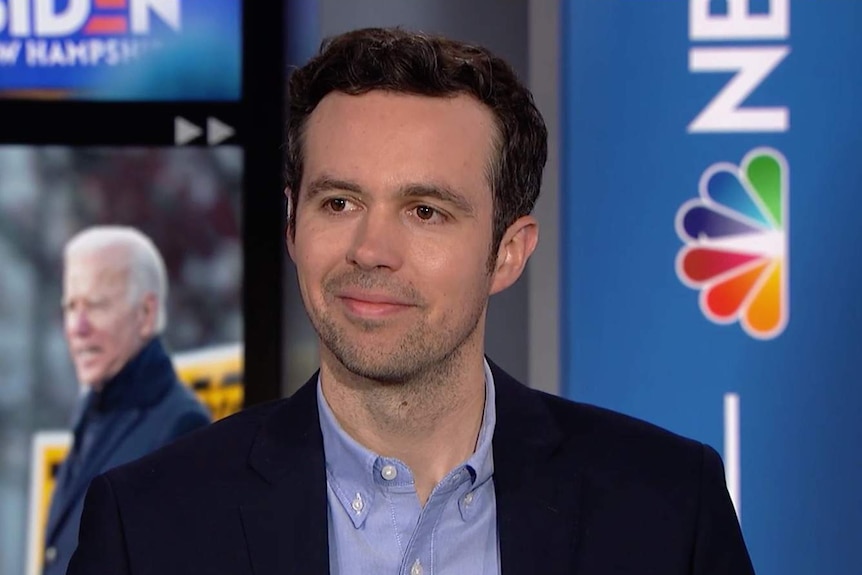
(77, 322)
(377, 241)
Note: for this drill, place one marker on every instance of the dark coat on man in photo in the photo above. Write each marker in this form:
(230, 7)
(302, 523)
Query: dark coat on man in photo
(140, 409)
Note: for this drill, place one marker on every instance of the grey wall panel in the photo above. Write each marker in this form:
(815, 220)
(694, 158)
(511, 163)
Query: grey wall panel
(544, 296)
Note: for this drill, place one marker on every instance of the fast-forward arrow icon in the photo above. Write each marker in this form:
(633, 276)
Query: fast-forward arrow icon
(185, 131)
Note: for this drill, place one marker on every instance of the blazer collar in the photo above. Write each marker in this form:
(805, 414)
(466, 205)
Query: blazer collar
(141, 383)
(538, 491)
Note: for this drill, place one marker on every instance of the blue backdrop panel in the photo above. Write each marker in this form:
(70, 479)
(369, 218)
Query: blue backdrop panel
(699, 261)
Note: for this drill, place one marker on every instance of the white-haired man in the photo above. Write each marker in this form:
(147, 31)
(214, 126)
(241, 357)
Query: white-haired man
(114, 302)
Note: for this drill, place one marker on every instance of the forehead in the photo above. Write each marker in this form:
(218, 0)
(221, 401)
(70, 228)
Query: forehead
(400, 138)
(102, 270)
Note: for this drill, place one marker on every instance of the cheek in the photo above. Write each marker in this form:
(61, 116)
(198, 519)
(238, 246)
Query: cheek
(455, 274)
(311, 245)
(307, 268)
(121, 330)
(317, 254)
(309, 279)
(460, 254)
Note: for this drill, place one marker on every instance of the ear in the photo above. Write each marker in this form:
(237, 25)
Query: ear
(288, 232)
(515, 249)
(149, 310)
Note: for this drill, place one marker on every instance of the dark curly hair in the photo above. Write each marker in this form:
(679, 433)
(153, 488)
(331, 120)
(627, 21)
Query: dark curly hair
(417, 63)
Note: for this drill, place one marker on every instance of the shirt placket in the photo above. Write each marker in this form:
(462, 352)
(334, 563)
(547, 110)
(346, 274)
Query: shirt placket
(419, 555)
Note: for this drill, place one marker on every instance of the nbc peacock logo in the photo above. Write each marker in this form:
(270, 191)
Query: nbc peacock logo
(736, 236)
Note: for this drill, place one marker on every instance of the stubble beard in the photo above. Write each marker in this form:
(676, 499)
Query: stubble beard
(422, 354)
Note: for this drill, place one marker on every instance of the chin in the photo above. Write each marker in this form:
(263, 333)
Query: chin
(92, 381)
(385, 372)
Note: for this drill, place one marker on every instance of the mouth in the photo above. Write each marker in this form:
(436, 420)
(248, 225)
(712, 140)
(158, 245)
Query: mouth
(371, 305)
(86, 354)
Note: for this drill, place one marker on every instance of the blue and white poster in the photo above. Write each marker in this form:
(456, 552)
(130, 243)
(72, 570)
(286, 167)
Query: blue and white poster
(151, 50)
(712, 192)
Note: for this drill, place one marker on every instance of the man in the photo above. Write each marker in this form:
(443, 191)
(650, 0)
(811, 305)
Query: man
(114, 299)
(413, 163)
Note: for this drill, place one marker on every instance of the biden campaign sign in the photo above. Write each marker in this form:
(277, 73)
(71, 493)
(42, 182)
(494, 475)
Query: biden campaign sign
(121, 49)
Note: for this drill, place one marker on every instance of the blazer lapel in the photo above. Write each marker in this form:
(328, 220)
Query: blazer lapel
(537, 493)
(287, 531)
(117, 428)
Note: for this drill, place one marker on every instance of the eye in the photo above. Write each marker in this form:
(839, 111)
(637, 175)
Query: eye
(425, 212)
(336, 204)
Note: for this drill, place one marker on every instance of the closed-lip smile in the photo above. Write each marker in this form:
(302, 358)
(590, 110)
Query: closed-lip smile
(372, 304)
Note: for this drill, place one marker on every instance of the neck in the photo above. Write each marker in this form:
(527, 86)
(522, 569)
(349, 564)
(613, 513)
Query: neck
(430, 422)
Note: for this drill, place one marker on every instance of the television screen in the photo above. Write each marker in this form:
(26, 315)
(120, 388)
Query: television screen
(187, 201)
(140, 113)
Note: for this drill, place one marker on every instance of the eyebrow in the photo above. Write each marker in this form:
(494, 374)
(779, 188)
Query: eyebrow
(325, 183)
(439, 192)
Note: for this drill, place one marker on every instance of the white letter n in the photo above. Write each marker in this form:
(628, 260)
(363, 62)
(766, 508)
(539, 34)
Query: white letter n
(753, 65)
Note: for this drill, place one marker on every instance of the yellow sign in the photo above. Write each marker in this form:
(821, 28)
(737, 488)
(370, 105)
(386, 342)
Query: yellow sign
(216, 377)
(48, 451)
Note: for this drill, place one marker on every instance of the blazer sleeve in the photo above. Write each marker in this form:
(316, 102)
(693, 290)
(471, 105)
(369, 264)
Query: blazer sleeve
(101, 541)
(719, 546)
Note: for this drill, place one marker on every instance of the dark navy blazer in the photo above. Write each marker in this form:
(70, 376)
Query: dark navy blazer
(580, 490)
(142, 408)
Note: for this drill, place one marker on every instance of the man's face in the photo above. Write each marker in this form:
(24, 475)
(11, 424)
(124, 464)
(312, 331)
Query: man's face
(104, 329)
(393, 229)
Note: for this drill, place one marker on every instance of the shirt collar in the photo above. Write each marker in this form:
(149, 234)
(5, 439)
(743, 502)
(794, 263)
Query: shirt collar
(351, 468)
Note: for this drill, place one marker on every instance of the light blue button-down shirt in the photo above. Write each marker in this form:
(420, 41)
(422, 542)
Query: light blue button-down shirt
(376, 524)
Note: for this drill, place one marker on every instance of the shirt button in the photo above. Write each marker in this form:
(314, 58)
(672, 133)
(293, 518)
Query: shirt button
(416, 569)
(50, 554)
(389, 472)
(357, 504)
(468, 499)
